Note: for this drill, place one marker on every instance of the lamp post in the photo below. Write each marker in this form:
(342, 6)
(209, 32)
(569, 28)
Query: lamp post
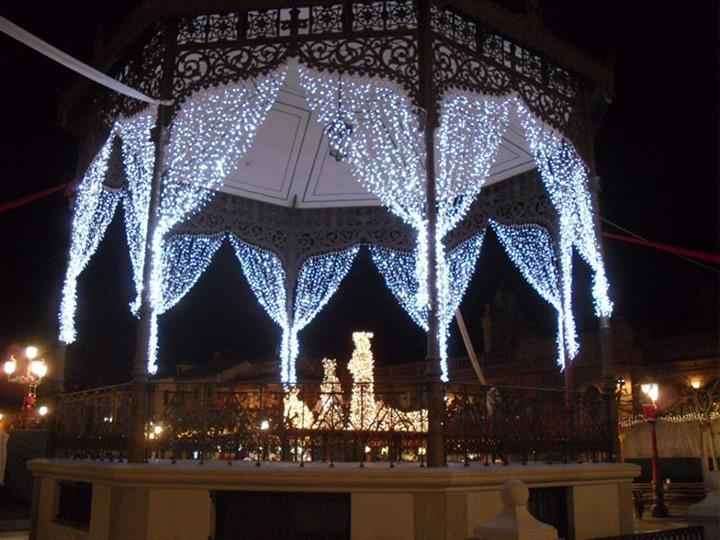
(28, 370)
(650, 410)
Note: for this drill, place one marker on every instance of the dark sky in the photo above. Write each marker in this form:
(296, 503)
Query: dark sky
(657, 153)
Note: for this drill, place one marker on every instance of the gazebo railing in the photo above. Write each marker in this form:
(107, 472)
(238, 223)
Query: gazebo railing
(316, 422)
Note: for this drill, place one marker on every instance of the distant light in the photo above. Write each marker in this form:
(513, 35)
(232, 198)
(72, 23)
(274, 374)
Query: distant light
(38, 368)
(264, 425)
(157, 430)
(367, 449)
(1, 416)
(43, 410)
(10, 366)
(31, 352)
(651, 390)
(696, 383)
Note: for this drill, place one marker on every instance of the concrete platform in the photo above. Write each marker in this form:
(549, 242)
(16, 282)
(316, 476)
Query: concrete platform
(160, 500)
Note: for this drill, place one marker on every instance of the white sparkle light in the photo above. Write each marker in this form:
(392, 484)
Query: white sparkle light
(565, 177)
(530, 249)
(212, 131)
(184, 259)
(93, 212)
(398, 270)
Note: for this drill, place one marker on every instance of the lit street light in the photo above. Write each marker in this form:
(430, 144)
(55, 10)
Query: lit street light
(28, 370)
(653, 392)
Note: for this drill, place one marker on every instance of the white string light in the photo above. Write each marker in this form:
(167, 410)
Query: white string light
(319, 279)
(373, 125)
(212, 131)
(384, 147)
(566, 180)
(467, 140)
(93, 212)
(530, 249)
(184, 259)
(398, 270)
(138, 152)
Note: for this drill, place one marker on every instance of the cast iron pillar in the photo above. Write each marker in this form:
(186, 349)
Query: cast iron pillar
(160, 136)
(136, 438)
(435, 392)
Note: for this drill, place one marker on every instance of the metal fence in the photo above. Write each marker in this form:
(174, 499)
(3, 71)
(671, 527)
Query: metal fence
(319, 422)
(687, 533)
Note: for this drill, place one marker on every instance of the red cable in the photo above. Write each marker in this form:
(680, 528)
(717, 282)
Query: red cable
(22, 201)
(699, 255)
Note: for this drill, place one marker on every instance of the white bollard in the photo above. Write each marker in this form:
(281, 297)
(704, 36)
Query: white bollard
(514, 522)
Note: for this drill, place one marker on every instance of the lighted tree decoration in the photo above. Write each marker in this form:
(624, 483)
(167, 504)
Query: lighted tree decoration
(297, 414)
(330, 405)
(363, 409)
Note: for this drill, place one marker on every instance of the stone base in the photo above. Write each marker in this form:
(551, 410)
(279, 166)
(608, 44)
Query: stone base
(162, 501)
(707, 514)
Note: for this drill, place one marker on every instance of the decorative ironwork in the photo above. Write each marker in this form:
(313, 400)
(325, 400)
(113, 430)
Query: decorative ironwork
(518, 201)
(252, 421)
(201, 68)
(308, 231)
(469, 56)
(369, 38)
(393, 58)
(93, 423)
(143, 71)
(686, 533)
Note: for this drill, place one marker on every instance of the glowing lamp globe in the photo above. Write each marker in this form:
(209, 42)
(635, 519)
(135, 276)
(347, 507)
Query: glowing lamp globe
(43, 410)
(652, 391)
(31, 352)
(38, 368)
(10, 366)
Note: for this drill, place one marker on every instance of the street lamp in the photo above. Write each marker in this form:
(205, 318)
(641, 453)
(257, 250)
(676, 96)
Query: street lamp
(653, 392)
(28, 370)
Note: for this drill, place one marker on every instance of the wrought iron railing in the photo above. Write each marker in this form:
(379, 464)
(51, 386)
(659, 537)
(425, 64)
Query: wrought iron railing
(333, 422)
(686, 533)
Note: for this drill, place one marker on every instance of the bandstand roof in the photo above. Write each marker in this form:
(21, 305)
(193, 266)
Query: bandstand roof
(290, 165)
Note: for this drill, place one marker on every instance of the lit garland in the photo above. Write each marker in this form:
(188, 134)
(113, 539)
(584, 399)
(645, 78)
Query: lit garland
(629, 422)
(138, 152)
(468, 138)
(384, 147)
(566, 181)
(373, 124)
(94, 210)
(398, 270)
(212, 131)
(530, 249)
(184, 259)
(319, 278)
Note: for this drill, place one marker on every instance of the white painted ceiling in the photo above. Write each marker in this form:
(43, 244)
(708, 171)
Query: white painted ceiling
(289, 162)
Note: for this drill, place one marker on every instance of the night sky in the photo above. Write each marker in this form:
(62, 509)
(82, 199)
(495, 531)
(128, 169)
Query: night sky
(657, 154)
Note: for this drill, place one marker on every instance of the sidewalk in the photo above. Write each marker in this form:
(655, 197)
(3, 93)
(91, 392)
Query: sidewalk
(14, 518)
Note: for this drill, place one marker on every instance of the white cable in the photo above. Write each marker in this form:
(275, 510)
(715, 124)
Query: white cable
(70, 62)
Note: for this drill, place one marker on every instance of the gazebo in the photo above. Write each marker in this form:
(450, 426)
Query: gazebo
(303, 133)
